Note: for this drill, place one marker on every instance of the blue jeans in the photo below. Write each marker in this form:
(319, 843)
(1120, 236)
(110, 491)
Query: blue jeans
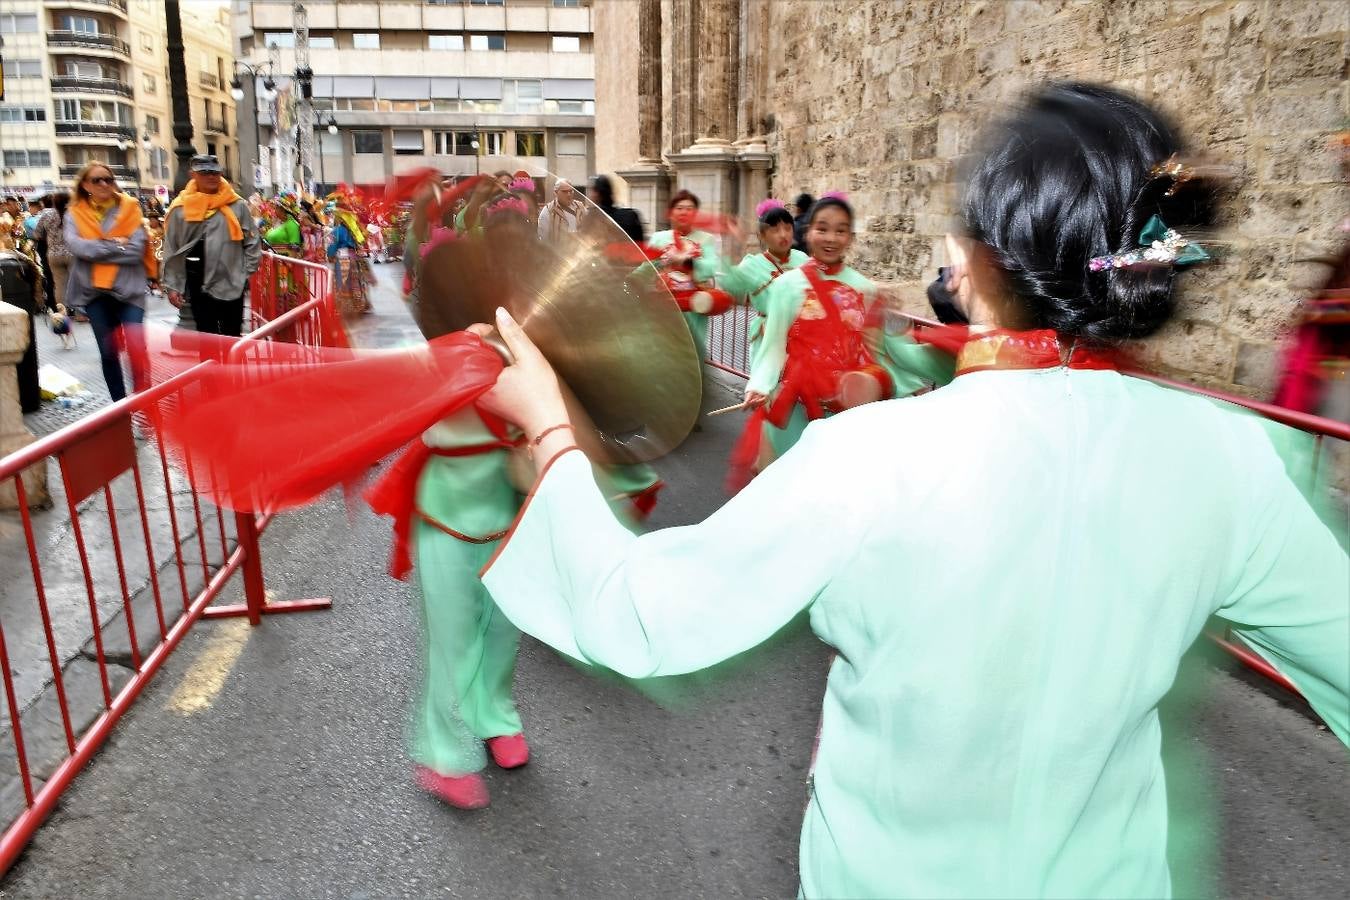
(107, 315)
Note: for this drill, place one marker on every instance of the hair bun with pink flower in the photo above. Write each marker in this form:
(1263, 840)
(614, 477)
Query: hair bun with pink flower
(835, 195)
(522, 184)
(768, 205)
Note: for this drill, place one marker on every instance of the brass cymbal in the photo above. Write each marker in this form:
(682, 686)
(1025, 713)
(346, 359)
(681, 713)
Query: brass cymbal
(610, 328)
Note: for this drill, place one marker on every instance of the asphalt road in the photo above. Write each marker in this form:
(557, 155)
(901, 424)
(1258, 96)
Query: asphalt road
(292, 782)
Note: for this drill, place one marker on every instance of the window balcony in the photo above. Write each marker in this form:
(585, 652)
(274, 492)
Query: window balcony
(83, 40)
(216, 125)
(207, 80)
(109, 130)
(118, 6)
(73, 84)
(123, 173)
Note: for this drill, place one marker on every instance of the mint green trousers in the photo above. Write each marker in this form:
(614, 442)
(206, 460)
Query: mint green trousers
(469, 649)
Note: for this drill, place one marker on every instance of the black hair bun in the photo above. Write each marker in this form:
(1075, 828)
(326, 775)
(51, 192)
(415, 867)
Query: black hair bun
(1069, 178)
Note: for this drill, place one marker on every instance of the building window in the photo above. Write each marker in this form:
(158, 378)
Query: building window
(84, 69)
(17, 23)
(445, 42)
(566, 43)
(571, 145)
(567, 3)
(322, 42)
(81, 24)
(148, 82)
(23, 68)
(330, 144)
(487, 42)
(100, 111)
(28, 159)
(361, 104)
(147, 42)
(369, 142)
(487, 2)
(366, 40)
(491, 143)
(152, 124)
(408, 143)
(522, 95)
(278, 38)
(23, 114)
(529, 143)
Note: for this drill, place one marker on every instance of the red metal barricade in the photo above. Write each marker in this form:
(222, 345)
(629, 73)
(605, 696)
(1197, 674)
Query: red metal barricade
(149, 557)
(282, 284)
(728, 349)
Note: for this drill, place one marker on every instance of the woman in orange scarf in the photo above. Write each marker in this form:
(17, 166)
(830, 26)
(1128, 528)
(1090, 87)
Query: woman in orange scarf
(111, 261)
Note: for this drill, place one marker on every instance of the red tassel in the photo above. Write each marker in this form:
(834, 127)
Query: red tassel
(745, 454)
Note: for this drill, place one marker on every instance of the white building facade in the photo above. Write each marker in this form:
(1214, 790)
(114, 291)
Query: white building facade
(466, 87)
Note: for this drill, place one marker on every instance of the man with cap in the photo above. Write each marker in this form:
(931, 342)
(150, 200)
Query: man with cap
(211, 247)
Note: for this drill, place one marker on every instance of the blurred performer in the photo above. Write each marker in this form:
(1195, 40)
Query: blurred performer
(285, 237)
(689, 263)
(453, 496)
(350, 274)
(1005, 635)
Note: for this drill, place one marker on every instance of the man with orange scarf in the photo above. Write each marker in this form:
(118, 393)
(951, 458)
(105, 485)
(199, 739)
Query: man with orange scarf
(211, 247)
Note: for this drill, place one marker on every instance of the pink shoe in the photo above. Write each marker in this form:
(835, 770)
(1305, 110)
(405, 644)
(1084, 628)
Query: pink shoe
(510, 751)
(463, 791)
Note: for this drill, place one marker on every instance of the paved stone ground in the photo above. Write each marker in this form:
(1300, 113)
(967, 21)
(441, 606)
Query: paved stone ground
(293, 784)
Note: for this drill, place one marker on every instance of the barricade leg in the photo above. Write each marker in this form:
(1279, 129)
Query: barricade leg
(256, 604)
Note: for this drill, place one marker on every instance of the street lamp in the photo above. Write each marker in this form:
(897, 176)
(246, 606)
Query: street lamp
(249, 139)
(332, 129)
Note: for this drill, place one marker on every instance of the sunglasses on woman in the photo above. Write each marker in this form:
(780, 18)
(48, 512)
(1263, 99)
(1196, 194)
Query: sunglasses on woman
(102, 179)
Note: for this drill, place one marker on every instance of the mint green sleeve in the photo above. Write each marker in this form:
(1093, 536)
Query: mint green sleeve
(739, 280)
(914, 366)
(781, 306)
(1291, 603)
(680, 599)
(709, 262)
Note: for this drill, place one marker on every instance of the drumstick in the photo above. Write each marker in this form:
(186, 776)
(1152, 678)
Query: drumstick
(727, 409)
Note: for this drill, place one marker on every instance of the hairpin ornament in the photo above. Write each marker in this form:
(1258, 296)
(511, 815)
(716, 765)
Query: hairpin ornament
(1158, 245)
(1173, 168)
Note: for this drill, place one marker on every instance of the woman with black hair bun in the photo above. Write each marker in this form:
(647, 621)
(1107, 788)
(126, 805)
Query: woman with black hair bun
(1007, 627)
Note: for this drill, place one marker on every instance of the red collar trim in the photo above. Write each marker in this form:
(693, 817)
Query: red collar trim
(778, 263)
(1040, 349)
(827, 270)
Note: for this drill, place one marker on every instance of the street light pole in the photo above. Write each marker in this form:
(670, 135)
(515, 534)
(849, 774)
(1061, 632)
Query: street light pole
(248, 123)
(178, 89)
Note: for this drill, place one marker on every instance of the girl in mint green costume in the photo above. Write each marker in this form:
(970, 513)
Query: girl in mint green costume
(1010, 567)
(749, 280)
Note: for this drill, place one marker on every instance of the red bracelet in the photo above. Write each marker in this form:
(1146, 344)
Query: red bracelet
(547, 431)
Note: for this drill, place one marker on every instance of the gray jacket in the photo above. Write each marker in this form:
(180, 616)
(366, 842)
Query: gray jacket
(228, 263)
(129, 287)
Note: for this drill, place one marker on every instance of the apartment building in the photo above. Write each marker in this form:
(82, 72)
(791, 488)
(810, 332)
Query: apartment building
(88, 79)
(477, 85)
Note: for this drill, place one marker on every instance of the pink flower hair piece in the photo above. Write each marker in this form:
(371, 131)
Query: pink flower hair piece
(509, 204)
(835, 195)
(522, 184)
(439, 235)
(765, 205)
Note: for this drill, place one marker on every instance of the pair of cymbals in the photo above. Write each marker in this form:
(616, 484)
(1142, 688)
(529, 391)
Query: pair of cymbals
(610, 328)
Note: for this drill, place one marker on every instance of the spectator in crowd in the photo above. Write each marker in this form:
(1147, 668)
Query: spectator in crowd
(562, 214)
(30, 220)
(602, 195)
(211, 247)
(801, 221)
(110, 263)
(50, 231)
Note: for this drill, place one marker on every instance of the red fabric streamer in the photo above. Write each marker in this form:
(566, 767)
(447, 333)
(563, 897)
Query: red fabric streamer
(276, 428)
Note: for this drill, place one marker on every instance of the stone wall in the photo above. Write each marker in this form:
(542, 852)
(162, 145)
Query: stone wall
(882, 98)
